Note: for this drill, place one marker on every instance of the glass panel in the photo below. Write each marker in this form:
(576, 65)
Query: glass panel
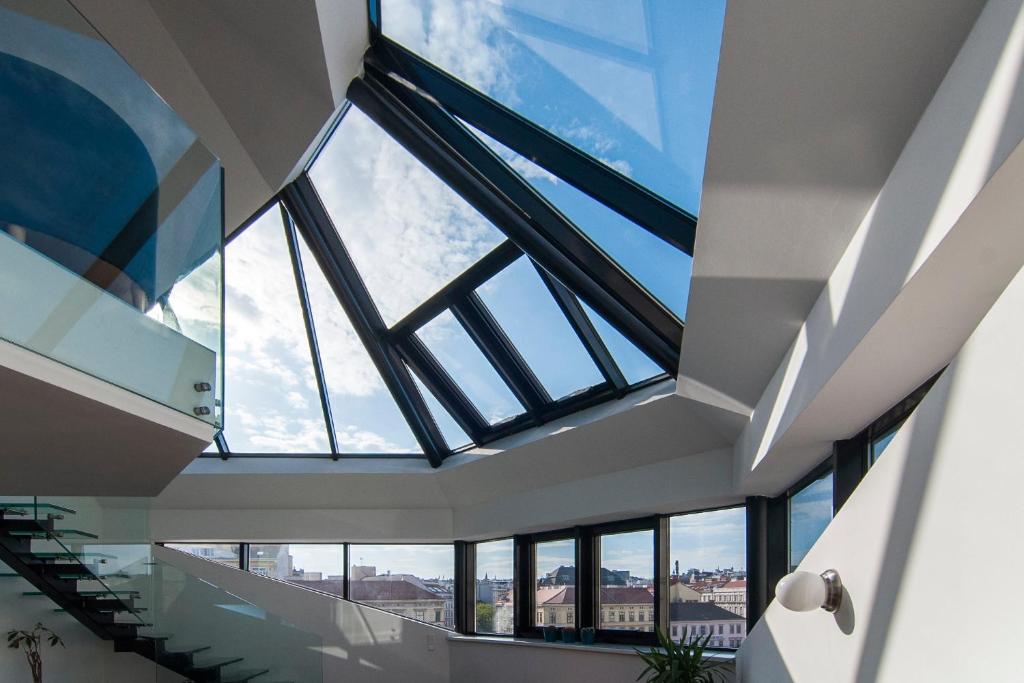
(626, 600)
(880, 443)
(707, 576)
(810, 511)
(366, 419)
(495, 590)
(555, 572)
(409, 234)
(467, 365)
(634, 363)
(274, 402)
(612, 77)
(221, 553)
(661, 268)
(316, 565)
(453, 434)
(415, 581)
(526, 311)
(110, 217)
(186, 612)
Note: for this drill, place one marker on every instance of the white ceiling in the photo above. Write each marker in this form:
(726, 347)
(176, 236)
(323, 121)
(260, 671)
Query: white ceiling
(814, 102)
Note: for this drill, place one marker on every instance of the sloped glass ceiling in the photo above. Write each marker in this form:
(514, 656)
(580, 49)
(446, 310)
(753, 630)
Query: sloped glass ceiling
(630, 82)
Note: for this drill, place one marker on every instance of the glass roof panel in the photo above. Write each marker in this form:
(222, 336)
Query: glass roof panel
(633, 363)
(272, 402)
(528, 314)
(366, 419)
(453, 434)
(409, 234)
(469, 368)
(661, 268)
(615, 78)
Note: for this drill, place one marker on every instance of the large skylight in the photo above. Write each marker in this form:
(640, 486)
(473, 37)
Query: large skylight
(630, 82)
(408, 233)
(273, 405)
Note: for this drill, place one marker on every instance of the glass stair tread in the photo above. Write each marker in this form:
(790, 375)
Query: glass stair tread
(243, 676)
(216, 663)
(66, 556)
(185, 649)
(36, 506)
(67, 576)
(56, 533)
(155, 636)
(88, 594)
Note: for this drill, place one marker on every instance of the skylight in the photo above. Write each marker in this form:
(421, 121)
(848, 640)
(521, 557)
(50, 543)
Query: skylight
(629, 82)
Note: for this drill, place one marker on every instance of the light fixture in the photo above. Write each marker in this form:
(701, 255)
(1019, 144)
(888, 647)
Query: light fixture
(805, 591)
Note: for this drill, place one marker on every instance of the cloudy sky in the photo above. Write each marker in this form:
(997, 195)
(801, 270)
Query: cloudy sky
(614, 80)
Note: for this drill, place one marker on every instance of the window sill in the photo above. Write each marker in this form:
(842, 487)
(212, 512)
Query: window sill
(606, 648)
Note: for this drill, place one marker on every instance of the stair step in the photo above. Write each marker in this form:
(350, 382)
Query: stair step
(88, 594)
(216, 663)
(65, 556)
(155, 636)
(243, 676)
(67, 576)
(186, 649)
(56, 533)
(4, 506)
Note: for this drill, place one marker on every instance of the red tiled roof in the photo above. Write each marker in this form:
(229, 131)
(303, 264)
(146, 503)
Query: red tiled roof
(369, 591)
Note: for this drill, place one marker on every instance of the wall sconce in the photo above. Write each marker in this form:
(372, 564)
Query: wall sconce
(805, 591)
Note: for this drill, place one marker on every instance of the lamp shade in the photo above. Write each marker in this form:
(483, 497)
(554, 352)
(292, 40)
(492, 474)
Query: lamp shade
(806, 591)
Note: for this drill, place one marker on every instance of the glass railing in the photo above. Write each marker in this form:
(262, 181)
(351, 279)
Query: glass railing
(110, 217)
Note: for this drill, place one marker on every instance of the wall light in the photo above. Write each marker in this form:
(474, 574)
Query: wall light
(805, 591)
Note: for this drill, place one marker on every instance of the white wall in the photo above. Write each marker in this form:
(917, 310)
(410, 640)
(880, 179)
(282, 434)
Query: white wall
(928, 546)
(498, 663)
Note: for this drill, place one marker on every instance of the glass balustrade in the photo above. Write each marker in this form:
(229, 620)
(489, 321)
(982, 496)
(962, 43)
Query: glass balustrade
(110, 217)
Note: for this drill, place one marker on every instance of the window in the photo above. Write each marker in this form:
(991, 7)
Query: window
(520, 302)
(417, 578)
(707, 566)
(555, 575)
(222, 553)
(626, 572)
(614, 80)
(320, 566)
(810, 511)
(880, 443)
(273, 405)
(408, 233)
(495, 592)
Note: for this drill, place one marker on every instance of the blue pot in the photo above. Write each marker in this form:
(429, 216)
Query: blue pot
(568, 635)
(550, 634)
(587, 637)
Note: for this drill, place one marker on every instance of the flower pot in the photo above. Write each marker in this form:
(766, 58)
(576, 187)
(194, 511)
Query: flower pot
(568, 635)
(587, 636)
(550, 634)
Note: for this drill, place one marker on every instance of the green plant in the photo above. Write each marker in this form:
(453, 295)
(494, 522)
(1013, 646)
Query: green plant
(31, 641)
(681, 662)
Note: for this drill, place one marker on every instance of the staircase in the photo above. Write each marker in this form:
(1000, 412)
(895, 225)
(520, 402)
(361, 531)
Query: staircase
(76, 583)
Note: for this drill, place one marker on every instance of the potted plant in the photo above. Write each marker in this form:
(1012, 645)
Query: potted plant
(568, 634)
(550, 633)
(587, 635)
(679, 663)
(32, 641)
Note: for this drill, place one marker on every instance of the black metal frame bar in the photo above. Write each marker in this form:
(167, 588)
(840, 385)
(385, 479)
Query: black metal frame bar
(484, 180)
(307, 319)
(325, 243)
(616, 191)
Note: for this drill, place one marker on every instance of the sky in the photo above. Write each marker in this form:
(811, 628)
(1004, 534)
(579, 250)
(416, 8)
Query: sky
(614, 80)
(810, 511)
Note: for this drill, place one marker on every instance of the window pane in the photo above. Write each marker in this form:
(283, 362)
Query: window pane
(221, 553)
(634, 363)
(409, 234)
(707, 576)
(414, 581)
(453, 434)
(555, 572)
(495, 593)
(613, 77)
(366, 419)
(526, 311)
(273, 405)
(627, 581)
(880, 443)
(320, 566)
(469, 368)
(661, 268)
(810, 511)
